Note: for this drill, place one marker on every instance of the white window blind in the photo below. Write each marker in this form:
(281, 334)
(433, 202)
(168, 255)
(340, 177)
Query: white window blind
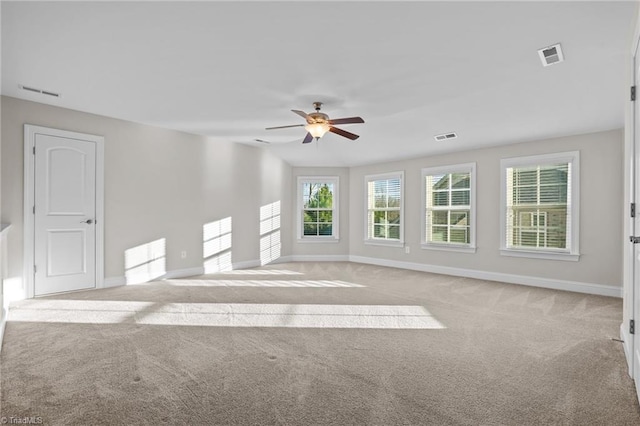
(540, 208)
(449, 206)
(384, 207)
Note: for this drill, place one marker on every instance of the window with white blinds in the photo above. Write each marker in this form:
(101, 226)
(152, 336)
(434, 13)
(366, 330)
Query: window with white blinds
(449, 207)
(318, 208)
(540, 204)
(384, 214)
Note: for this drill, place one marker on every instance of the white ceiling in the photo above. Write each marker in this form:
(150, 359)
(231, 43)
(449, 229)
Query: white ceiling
(411, 70)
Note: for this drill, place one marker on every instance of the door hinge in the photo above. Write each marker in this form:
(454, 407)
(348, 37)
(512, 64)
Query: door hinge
(34, 209)
(34, 150)
(35, 269)
(633, 209)
(634, 240)
(632, 327)
(633, 93)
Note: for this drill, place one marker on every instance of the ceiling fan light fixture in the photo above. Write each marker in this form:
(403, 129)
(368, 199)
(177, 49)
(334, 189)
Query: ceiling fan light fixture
(317, 130)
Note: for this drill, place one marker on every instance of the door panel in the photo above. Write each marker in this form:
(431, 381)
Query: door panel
(65, 210)
(67, 252)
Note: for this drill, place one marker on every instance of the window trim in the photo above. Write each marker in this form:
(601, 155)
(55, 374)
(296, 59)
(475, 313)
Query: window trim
(335, 237)
(382, 241)
(455, 168)
(571, 253)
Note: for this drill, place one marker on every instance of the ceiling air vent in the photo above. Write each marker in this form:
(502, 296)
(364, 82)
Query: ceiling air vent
(40, 91)
(445, 136)
(551, 55)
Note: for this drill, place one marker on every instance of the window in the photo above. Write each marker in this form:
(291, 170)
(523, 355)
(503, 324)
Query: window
(384, 221)
(449, 207)
(540, 206)
(318, 208)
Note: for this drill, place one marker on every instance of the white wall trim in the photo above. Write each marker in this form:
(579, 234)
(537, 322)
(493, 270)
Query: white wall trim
(627, 345)
(314, 258)
(182, 273)
(3, 322)
(246, 264)
(575, 286)
(114, 282)
(29, 198)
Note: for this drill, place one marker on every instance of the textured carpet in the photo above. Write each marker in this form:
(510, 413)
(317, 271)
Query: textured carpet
(317, 344)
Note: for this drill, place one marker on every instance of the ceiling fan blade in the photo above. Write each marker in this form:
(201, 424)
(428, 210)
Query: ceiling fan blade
(285, 127)
(307, 138)
(302, 114)
(349, 120)
(343, 133)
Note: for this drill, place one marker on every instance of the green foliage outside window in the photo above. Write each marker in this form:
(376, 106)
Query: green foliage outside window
(317, 213)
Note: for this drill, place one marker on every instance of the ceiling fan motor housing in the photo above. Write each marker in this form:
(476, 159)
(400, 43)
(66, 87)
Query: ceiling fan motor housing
(318, 117)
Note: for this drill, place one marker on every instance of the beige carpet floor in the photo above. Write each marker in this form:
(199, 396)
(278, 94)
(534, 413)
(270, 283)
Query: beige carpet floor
(317, 344)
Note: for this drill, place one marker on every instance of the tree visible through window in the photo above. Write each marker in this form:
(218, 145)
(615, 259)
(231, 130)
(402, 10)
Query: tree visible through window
(384, 207)
(317, 212)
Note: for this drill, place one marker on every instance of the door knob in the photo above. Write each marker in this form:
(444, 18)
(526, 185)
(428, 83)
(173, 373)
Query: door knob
(88, 221)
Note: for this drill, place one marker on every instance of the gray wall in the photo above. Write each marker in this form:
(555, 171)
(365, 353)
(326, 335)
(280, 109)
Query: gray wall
(158, 184)
(166, 184)
(601, 198)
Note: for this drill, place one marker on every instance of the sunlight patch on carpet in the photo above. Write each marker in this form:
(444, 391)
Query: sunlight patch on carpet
(224, 314)
(262, 283)
(261, 272)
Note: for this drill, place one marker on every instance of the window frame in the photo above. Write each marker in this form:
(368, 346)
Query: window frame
(335, 228)
(445, 246)
(384, 241)
(572, 252)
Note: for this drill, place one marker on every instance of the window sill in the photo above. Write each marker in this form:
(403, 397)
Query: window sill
(318, 240)
(569, 257)
(447, 247)
(387, 243)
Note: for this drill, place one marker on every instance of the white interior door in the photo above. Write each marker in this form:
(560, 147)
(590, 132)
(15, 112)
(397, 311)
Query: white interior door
(64, 214)
(636, 247)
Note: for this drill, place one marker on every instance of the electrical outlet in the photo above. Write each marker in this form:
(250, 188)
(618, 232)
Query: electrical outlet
(407, 249)
(183, 254)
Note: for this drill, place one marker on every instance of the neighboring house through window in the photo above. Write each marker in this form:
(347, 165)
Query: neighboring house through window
(449, 207)
(540, 206)
(318, 208)
(384, 211)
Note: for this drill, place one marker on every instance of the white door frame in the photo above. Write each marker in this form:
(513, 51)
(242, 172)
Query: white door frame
(632, 341)
(30, 132)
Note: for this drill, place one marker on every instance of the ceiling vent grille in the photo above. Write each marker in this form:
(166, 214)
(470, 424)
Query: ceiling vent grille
(445, 136)
(551, 55)
(40, 91)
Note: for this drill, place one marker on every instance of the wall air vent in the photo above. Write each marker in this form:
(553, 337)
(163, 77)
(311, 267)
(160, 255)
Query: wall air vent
(445, 136)
(551, 55)
(40, 91)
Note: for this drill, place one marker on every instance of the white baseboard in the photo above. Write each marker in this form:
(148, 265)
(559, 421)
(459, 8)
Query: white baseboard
(246, 264)
(114, 282)
(626, 344)
(182, 273)
(3, 321)
(315, 258)
(575, 286)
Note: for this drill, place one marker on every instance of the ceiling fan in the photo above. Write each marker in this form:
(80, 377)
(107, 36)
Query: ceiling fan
(319, 123)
